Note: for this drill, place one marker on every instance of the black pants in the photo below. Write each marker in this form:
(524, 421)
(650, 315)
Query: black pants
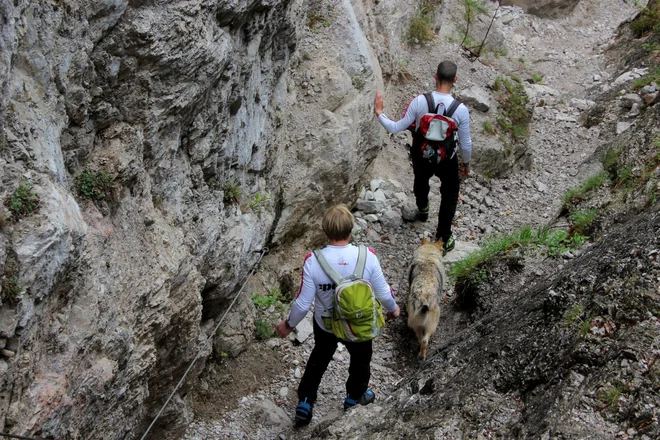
(325, 344)
(447, 171)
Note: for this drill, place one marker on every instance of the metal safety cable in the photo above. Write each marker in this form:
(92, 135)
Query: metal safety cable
(199, 353)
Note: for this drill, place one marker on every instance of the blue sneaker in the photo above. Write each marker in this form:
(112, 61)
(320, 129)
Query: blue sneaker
(303, 413)
(367, 398)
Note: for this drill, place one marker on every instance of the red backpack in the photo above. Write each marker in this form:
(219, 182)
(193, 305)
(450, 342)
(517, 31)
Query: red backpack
(435, 138)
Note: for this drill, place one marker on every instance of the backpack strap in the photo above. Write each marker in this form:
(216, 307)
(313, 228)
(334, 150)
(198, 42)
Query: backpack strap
(361, 262)
(430, 102)
(329, 271)
(452, 108)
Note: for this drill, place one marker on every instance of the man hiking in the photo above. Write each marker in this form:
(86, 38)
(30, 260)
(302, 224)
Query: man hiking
(339, 258)
(446, 166)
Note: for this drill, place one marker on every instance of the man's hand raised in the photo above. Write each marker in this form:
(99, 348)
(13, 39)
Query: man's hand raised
(378, 104)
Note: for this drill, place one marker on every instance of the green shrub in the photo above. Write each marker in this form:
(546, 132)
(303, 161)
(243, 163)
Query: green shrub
(648, 20)
(574, 195)
(513, 117)
(583, 219)
(537, 78)
(11, 289)
(574, 314)
(257, 201)
(612, 393)
(94, 185)
(652, 76)
(23, 201)
(421, 25)
(263, 329)
(489, 128)
(231, 192)
(263, 301)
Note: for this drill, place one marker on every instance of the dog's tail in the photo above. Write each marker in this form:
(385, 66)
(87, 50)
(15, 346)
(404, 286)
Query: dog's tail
(424, 309)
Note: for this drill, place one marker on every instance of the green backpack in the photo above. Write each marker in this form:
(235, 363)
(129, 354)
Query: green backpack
(355, 315)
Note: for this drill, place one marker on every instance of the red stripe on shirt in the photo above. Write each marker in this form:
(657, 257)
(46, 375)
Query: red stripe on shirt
(372, 251)
(302, 274)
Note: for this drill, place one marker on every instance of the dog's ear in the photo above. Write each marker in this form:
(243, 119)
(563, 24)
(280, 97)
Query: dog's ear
(439, 244)
(424, 241)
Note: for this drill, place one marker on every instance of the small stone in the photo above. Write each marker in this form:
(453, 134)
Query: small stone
(631, 432)
(391, 219)
(369, 195)
(372, 236)
(304, 330)
(375, 184)
(409, 212)
(625, 77)
(542, 187)
(622, 126)
(634, 111)
(401, 197)
(379, 196)
(297, 373)
(597, 77)
(630, 99)
(7, 353)
(371, 218)
(651, 98)
(650, 88)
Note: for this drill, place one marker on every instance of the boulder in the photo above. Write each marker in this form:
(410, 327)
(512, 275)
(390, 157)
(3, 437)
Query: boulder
(267, 413)
(409, 211)
(370, 206)
(475, 97)
(391, 219)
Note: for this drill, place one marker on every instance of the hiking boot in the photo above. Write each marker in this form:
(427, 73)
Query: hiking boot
(448, 245)
(303, 413)
(367, 398)
(422, 214)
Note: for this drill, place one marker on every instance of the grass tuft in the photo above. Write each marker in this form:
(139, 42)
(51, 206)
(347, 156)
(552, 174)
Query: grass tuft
(263, 330)
(231, 192)
(23, 201)
(513, 117)
(575, 195)
(94, 185)
(11, 289)
(421, 25)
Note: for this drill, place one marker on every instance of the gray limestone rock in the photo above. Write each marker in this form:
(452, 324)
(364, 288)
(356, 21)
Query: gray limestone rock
(391, 219)
(409, 211)
(370, 206)
(475, 97)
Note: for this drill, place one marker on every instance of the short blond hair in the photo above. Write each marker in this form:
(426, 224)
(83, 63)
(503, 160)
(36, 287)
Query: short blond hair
(338, 222)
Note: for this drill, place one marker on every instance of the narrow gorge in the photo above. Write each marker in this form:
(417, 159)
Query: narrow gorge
(152, 151)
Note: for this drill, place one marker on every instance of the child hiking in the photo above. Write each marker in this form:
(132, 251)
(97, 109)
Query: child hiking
(438, 117)
(348, 289)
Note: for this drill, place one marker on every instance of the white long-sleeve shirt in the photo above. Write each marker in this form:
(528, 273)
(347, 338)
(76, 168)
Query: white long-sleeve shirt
(418, 107)
(316, 287)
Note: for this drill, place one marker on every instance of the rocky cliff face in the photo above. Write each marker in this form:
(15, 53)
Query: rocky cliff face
(167, 142)
(544, 8)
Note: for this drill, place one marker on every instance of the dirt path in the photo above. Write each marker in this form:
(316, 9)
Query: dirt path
(566, 53)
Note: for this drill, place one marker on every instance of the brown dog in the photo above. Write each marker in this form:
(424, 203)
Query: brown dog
(426, 278)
